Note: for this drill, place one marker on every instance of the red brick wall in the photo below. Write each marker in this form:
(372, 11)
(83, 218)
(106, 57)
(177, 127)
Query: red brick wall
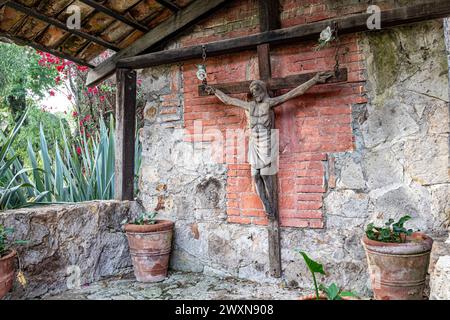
(311, 127)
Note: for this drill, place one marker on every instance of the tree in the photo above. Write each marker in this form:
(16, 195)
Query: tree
(22, 77)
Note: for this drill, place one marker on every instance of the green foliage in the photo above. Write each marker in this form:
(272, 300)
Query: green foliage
(4, 232)
(391, 232)
(146, 218)
(22, 77)
(16, 189)
(314, 267)
(77, 170)
(81, 171)
(5, 244)
(332, 292)
(76, 173)
(30, 131)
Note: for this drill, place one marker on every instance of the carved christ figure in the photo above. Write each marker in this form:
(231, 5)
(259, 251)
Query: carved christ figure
(263, 149)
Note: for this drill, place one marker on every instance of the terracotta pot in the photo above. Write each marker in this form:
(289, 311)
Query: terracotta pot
(312, 297)
(7, 272)
(150, 247)
(398, 270)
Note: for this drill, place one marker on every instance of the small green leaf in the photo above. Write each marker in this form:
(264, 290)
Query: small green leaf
(333, 291)
(313, 266)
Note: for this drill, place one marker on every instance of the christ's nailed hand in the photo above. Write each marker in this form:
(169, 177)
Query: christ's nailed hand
(322, 77)
(210, 90)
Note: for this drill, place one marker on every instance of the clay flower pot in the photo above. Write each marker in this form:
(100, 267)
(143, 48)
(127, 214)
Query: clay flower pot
(7, 272)
(150, 247)
(398, 270)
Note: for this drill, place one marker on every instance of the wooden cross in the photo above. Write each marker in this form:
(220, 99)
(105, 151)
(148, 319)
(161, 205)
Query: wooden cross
(268, 12)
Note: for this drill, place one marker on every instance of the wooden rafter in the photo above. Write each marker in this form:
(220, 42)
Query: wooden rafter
(33, 13)
(346, 25)
(132, 23)
(39, 47)
(169, 5)
(170, 27)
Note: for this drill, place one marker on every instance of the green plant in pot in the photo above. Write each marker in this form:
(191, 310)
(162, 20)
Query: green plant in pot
(323, 292)
(7, 261)
(150, 242)
(398, 260)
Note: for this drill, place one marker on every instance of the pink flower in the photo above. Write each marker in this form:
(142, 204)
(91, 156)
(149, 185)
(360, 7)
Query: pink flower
(79, 151)
(57, 79)
(87, 118)
(52, 93)
(93, 90)
(82, 68)
(74, 114)
(102, 98)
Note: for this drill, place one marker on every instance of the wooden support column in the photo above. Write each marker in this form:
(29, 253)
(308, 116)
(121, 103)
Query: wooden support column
(125, 134)
(269, 20)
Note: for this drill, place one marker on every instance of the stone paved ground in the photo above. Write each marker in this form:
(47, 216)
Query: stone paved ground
(178, 286)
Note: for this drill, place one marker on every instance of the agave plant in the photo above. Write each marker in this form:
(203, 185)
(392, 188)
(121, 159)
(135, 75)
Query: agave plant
(72, 175)
(16, 189)
(81, 173)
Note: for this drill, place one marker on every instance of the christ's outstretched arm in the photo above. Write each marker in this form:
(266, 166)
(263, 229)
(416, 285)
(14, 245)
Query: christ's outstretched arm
(320, 77)
(227, 99)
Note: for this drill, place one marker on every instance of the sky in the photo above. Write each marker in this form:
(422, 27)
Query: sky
(57, 103)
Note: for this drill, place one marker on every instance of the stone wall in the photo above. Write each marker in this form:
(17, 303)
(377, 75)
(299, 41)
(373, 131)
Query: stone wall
(440, 266)
(397, 162)
(66, 241)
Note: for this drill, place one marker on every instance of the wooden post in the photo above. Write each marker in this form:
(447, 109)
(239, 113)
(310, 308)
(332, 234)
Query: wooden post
(125, 134)
(269, 20)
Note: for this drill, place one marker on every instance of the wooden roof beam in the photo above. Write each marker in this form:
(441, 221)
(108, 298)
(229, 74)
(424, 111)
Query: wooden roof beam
(311, 31)
(167, 29)
(132, 23)
(59, 24)
(40, 47)
(169, 5)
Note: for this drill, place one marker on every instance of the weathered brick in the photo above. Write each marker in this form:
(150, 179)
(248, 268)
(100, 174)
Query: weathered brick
(311, 126)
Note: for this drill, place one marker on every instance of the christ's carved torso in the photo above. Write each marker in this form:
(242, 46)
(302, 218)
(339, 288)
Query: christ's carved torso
(260, 116)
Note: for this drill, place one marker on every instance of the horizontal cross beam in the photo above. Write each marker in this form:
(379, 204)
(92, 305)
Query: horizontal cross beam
(132, 23)
(59, 24)
(350, 24)
(288, 82)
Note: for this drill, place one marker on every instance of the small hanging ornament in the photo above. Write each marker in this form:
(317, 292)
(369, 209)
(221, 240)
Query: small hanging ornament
(201, 72)
(326, 37)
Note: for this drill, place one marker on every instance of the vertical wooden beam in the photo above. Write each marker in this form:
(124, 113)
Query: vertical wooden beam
(269, 15)
(125, 134)
(269, 20)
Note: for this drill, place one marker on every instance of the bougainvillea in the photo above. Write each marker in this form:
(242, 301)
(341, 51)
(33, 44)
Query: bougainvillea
(90, 104)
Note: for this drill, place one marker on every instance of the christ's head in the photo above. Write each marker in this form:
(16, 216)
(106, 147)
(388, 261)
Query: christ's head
(258, 90)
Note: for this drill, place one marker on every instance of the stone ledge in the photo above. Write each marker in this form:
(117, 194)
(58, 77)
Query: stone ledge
(70, 244)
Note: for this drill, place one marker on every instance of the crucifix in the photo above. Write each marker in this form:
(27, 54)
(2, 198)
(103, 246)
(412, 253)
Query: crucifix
(263, 149)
